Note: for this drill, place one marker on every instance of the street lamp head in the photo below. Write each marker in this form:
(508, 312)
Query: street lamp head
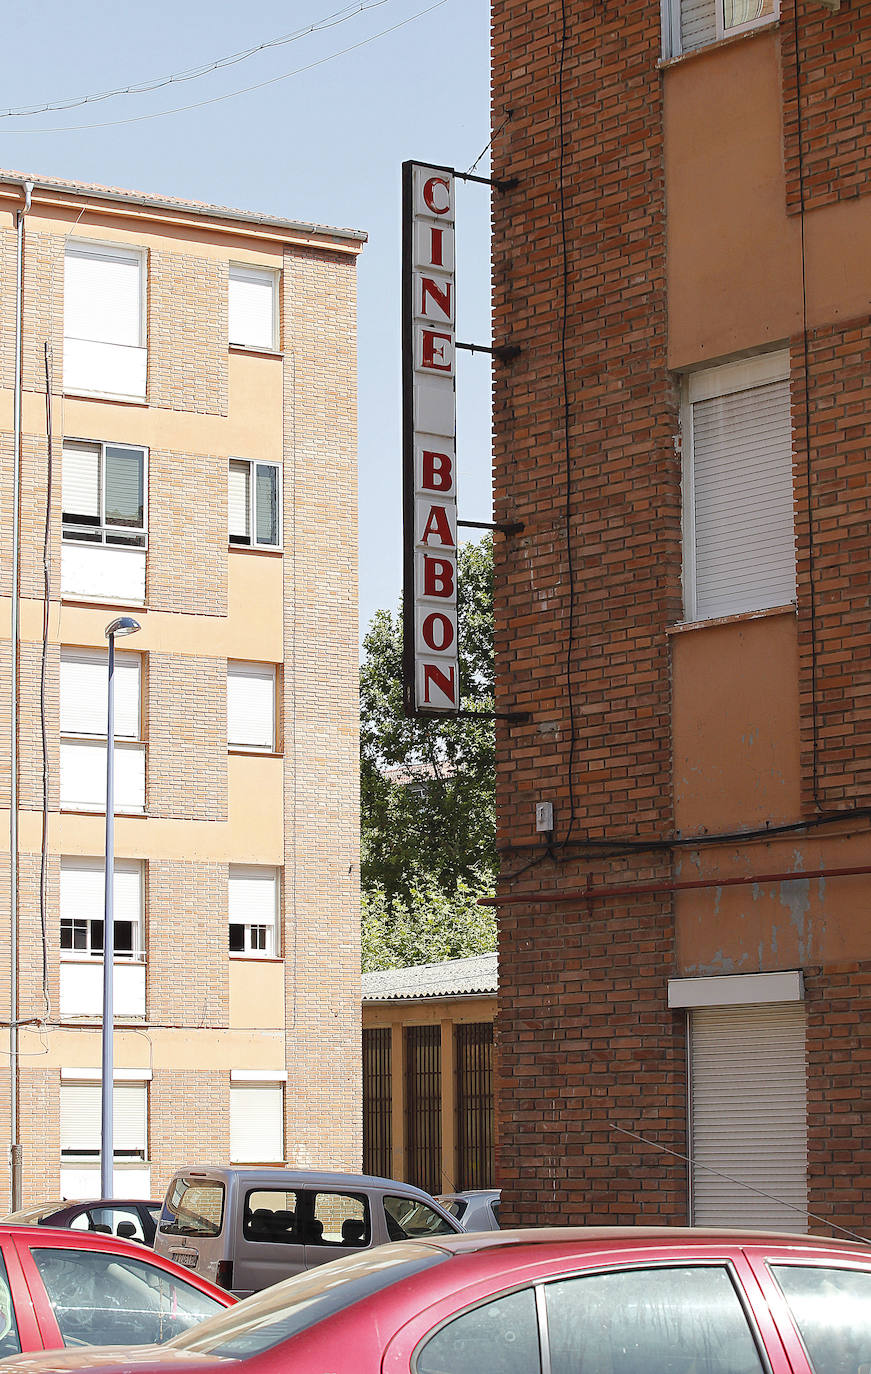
(124, 625)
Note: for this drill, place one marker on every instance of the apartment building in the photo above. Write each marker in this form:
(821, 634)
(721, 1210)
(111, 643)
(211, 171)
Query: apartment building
(682, 225)
(181, 450)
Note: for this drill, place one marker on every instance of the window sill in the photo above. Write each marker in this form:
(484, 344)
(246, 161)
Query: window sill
(252, 350)
(255, 548)
(113, 397)
(78, 600)
(665, 63)
(253, 752)
(71, 809)
(126, 961)
(255, 958)
(716, 621)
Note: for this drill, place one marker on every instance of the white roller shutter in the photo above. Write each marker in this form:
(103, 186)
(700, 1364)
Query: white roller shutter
(251, 705)
(103, 294)
(252, 895)
(84, 682)
(81, 481)
(239, 499)
(81, 1111)
(256, 1123)
(252, 306)
(749, 1116)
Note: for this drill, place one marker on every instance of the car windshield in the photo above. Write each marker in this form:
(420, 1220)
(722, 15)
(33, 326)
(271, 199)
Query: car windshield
(285, 1309)
(193, 1207)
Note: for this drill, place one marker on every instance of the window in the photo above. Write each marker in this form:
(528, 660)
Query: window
(832, 1310)
(693, 23)
(254, 504)
(9, 1342)
(104, 493)
(499, 1336)
(667, 1319)
(252, 312)
(83, 712)
(104, 320)
(256, 1122)
(82, 907)
(739, 540)
(408, 1219)
(80, 1116)
(105, 1299)
(251, 706)
(253, 909)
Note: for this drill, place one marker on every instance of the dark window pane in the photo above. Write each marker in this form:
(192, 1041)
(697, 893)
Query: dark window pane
(237, 939)
(267, 504)
(832, 1310)
(634, 1321)
(123, 937)
(501, 1337)
(124, 486)
(97, 937)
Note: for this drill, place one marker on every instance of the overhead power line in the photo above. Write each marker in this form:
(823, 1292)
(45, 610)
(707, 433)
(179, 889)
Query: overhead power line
(194, 73)
(230, 95)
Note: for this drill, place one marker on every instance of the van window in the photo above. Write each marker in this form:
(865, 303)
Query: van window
(408, 1219)
(270, 1214)
(306, 1218)
(339, 1219)
(193, 1207)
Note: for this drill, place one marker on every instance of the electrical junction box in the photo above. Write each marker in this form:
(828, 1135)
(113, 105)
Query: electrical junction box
(544, 816)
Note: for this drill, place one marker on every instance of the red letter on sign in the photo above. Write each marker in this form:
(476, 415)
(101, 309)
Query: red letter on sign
(441, 298)
(435, 246)
(433, 355)
(438, 471)
(438, 577)
(437, 524)
(438, 632)
(431, 191)
(444, 682)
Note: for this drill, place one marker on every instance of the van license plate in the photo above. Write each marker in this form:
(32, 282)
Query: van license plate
(186, 1257)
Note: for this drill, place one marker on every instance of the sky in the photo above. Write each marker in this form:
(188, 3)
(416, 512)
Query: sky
(322, 138)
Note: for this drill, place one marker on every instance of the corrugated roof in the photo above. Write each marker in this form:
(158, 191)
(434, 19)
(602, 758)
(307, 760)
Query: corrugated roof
(192, 207)
(453, 978)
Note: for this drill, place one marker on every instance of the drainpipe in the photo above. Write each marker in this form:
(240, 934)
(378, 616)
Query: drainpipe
(15, 635)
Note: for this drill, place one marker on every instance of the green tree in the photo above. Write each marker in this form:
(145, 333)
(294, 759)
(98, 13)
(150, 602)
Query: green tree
(427, 796)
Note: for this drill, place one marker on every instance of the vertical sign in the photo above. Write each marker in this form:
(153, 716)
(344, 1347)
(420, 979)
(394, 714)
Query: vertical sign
(430, 655)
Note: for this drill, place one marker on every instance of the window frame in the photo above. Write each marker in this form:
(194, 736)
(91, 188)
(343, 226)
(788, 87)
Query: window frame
(91, 954)
(88, 1153)
(258, 269)
(248, 952)
(252, 542)
(99, 657)
(274, 1083)
(710, 383)
(102, 529)
(671, 27)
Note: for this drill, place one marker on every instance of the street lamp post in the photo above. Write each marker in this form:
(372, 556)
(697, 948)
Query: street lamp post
(124, 625)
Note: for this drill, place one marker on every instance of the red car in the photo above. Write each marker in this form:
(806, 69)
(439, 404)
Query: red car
(573, 1301)
(68, 1288)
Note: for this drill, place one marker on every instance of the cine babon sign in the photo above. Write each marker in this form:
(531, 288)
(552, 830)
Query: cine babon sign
(430, 650)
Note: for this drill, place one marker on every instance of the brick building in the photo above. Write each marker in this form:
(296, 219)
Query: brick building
(187, 433)
(683, 261)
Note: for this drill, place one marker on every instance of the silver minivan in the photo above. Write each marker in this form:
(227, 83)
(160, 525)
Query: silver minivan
(248, 1228)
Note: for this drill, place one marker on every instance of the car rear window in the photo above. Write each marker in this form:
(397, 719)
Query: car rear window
(193, 1207)
(287, 1308)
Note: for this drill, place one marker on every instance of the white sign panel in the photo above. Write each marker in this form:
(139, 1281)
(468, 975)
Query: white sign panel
(429, 440)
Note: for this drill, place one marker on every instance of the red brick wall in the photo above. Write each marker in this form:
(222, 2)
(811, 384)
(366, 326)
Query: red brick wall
(833, 76)
(584, 1035)
(839, 1110)
(833, 553)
